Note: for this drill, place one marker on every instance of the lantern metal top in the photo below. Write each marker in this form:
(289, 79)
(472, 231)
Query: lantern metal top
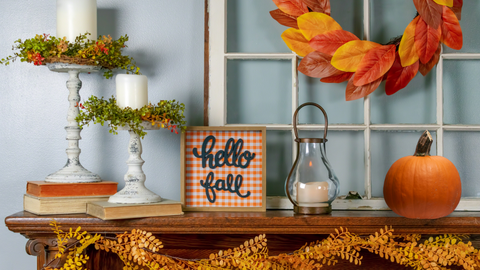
(310, 140)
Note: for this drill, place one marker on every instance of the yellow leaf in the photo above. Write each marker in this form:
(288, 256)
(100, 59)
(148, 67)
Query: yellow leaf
(448, 3)
(406, 50)
(296, 42)
(349, 55)
(315, 23)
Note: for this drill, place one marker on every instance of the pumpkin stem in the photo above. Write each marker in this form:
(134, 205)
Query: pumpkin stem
(424, 144)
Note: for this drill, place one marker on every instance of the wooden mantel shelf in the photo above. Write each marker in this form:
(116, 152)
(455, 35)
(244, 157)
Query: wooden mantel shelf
(197, 234)
(270, 222)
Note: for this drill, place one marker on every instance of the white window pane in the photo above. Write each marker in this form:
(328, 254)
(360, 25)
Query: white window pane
(460, 86)
(331, 96)
(388, 147)
(461, 148)
(250, 28)
(469, 24)
(414, 104)
(388, 19)
(279, 161)
(259, 92)
(353, 22)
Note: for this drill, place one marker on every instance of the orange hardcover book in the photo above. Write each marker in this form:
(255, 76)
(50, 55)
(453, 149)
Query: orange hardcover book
(48, 189)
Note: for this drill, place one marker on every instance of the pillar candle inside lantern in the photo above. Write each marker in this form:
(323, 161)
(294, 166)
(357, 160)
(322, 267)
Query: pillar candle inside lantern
(76, 17)
(312, 193)
(132, 90)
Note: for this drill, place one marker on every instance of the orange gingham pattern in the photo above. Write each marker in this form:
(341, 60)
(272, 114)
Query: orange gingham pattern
(252, 176)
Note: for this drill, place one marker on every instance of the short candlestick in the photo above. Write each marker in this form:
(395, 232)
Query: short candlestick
(135, 190)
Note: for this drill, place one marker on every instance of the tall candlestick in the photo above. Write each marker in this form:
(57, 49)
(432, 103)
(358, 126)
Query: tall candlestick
(312, 193)
(132, 90)
(76, 17)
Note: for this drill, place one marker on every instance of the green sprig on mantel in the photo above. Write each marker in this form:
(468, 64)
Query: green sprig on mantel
(104, 52)
(165, 114)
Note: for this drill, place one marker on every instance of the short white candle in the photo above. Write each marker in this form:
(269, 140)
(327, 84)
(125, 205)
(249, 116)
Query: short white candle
(132, 90)
(76, 17)
(312, 193)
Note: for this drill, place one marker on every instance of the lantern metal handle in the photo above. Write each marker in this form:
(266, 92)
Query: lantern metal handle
(295, 119)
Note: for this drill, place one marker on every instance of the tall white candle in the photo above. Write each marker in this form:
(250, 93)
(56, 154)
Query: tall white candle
(312, 193)
(76, 17)
(132, 90)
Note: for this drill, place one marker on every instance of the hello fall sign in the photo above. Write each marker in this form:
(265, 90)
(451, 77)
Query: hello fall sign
(223, 168)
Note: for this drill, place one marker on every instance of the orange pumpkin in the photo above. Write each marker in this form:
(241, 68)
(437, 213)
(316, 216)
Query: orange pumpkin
(422, 186)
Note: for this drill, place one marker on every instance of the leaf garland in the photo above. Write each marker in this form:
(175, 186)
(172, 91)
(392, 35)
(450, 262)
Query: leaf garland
(140, 249)
(318, 38)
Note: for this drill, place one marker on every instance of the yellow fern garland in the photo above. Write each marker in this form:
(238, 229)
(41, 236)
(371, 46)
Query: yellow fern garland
(139, 249)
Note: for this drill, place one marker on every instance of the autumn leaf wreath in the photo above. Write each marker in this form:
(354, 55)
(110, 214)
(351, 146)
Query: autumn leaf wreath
(335, 55)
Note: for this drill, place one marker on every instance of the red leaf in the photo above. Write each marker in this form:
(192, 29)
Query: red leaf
(355, 92)
(317, 65)
(426, 40)
(399, 77)
(284, 18)
(339, 78)
(430, 11)
(330, 41)
(322, 6)
(292, 7)
(457, 8)
(452, 34)
(375, 64)
(425, 68)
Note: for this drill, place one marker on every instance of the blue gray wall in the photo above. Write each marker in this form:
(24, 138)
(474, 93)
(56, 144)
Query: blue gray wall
(166, 40)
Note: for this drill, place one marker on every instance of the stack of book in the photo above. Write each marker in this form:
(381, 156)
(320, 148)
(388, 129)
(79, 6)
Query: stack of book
(45, 198)
(109, 211)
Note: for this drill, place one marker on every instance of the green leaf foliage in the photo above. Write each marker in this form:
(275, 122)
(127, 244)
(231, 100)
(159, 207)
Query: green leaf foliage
(103, 52)
(165, 114)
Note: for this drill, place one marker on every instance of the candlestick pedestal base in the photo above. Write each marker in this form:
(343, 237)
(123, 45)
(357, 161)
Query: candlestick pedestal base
(73, 171)
(135, 191)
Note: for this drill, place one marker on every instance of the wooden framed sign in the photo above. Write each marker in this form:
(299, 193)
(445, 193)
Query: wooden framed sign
(223, 169)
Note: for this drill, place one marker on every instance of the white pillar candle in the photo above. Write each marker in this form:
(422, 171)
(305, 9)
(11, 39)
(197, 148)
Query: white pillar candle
(76, 17)
(132, 90)
(312, 193)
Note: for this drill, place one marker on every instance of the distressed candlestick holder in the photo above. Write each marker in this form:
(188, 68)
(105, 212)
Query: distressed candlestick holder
(73, 171)
(135, 190)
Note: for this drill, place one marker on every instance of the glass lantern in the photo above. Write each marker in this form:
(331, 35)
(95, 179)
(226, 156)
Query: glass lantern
(311, 184)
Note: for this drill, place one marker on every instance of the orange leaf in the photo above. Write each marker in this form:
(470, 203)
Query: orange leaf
(375, 64)
(355, 92)
(322, 6)
(330, 41)
(296, 41)
(448, 3)
(317, 65)
(284, 18)
(452, 34)
(426, 40)
(425, 68)
(430, 11)
(457, 8)
(316, 23)
(406, 50)
(292, 7)
(345, 76)
(398, 77)
(349, 55)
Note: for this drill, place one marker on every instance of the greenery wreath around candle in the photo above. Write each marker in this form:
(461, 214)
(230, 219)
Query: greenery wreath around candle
(165, 114)
(139, 249)
(335, 55)
(104, 52)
